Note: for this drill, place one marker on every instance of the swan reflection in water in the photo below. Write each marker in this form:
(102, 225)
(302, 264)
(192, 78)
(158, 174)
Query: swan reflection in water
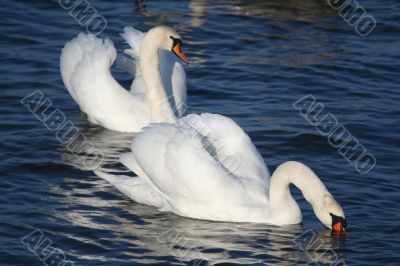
(93, 204)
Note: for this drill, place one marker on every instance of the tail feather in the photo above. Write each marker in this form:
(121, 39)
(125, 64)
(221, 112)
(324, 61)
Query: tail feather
(133, 187)
(130, 162)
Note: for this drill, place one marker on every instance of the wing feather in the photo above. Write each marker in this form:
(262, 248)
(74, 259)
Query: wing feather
(191, 178)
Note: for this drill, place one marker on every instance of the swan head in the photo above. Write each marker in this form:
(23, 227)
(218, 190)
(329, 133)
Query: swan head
(168, 39)
(325, 207)
(331, 214)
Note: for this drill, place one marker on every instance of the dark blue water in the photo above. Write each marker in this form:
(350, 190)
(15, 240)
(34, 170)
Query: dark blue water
(251, 60)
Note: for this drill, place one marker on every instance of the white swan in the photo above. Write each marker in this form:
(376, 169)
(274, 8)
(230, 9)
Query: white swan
(206, 167)
(85, 68)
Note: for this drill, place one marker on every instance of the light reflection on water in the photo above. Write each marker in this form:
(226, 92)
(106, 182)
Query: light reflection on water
(100, 148)
(162, 234)
(250, 60)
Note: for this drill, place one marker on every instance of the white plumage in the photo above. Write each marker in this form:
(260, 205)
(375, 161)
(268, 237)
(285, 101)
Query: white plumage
(85, 65)
(199, 166)
(206, 167)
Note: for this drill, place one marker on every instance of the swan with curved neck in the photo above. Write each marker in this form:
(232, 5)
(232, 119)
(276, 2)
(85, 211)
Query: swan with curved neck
(282, 204)
(158, 38)
(187, 172)
(85, 65)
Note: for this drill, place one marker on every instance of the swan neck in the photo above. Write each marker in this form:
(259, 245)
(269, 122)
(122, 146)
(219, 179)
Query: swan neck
(156, 95)
(303, 178)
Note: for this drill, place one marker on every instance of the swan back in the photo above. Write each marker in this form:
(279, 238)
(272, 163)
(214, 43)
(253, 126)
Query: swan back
(192, 178)
(85, 68)
(75, 51)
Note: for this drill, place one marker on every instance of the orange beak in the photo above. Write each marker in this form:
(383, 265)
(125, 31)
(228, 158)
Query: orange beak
(339, 224)
(177, 50)
(338, 228)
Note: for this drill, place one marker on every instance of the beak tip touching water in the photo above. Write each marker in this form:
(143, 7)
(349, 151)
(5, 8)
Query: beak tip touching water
(339, 228)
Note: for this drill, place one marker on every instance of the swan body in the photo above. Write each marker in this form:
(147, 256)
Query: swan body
(206, 167)
(85, 65)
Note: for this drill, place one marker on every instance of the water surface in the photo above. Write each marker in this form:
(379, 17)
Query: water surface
(250, 60)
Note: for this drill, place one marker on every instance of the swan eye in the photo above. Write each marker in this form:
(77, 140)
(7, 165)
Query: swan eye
(176, 42)
(336, 219)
